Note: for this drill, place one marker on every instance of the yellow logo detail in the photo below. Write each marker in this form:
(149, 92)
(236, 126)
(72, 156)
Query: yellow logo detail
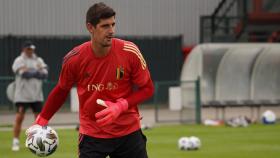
(119, 73)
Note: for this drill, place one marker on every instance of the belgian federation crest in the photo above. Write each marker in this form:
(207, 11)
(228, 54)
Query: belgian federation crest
(119, 73)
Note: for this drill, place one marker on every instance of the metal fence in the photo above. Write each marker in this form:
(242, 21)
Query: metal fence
(160, 52)
(177, 101)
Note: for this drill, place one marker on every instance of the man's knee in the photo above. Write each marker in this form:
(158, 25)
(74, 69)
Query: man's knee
(20, 115)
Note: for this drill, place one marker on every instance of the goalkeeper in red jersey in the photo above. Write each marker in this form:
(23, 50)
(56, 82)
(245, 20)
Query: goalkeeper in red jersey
(106, 71)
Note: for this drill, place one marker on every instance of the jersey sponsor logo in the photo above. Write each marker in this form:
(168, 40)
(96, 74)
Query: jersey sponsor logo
(133, 49)
(119, 73)
(99, 87)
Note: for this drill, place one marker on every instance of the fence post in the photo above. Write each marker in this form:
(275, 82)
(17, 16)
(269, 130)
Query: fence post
(156, 101)
(197, 102)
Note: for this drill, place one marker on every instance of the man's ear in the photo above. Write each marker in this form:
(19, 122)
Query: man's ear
(90, 27)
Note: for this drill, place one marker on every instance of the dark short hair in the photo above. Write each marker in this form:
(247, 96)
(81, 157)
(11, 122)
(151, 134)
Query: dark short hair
(28, 44)
(99, 11)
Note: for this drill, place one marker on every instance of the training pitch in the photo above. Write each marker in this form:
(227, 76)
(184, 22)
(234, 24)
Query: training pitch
(255, 141)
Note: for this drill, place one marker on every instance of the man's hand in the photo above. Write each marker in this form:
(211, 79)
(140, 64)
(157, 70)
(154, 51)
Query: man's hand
(39, 123)
(111, 112)
(32, 129)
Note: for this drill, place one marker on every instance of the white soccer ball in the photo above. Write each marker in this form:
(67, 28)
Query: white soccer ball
(184, 143)
(268, 117)
(195, 142)
(42, 141)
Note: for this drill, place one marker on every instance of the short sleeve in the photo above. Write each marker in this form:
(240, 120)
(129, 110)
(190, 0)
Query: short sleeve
(42, 63)
(18, 63)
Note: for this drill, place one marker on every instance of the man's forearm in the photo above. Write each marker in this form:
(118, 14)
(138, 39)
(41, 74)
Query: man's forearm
(142, 94)
(55, 100)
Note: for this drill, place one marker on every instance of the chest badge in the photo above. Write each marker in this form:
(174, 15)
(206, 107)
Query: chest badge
(86, 75)
(119, 73)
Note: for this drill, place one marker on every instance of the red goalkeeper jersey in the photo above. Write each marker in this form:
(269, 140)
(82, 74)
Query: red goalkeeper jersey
(109, 78)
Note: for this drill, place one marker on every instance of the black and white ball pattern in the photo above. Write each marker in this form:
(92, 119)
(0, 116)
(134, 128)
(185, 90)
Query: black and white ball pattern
(42, 141)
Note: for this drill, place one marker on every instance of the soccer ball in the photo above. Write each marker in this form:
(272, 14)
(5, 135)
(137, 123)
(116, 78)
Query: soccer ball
(189, 143)
(196, 143)
(42, 141)
(184, 143)
(268, 117)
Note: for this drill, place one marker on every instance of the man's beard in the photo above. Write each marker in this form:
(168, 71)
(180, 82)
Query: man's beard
(106, 44)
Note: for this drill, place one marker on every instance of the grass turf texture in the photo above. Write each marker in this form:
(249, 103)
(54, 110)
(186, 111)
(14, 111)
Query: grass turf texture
(256, 141)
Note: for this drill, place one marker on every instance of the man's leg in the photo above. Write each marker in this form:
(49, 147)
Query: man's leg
(131, 146)
(36, 108)
(17, 126)
(94, 147)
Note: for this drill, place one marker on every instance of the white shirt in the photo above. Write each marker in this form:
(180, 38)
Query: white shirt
(28, 90)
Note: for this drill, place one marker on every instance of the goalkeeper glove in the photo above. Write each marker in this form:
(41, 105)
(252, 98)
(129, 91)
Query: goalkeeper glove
(39, 123)
(111, 112)
(41, 75)
(31, 73)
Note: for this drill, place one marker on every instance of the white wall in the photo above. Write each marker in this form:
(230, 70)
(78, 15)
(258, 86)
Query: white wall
(134, 17)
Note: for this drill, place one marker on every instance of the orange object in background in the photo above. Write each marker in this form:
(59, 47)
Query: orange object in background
(187, 50)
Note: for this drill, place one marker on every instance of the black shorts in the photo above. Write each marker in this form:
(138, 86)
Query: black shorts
(35, 106)
(129, 146)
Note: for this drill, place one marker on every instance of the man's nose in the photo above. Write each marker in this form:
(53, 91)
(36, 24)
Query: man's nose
(112, 30)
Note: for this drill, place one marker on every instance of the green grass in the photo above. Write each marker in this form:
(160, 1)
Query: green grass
(256, 141)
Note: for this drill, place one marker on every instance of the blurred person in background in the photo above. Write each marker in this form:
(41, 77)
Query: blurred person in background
(110, 69)
(30, 71)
